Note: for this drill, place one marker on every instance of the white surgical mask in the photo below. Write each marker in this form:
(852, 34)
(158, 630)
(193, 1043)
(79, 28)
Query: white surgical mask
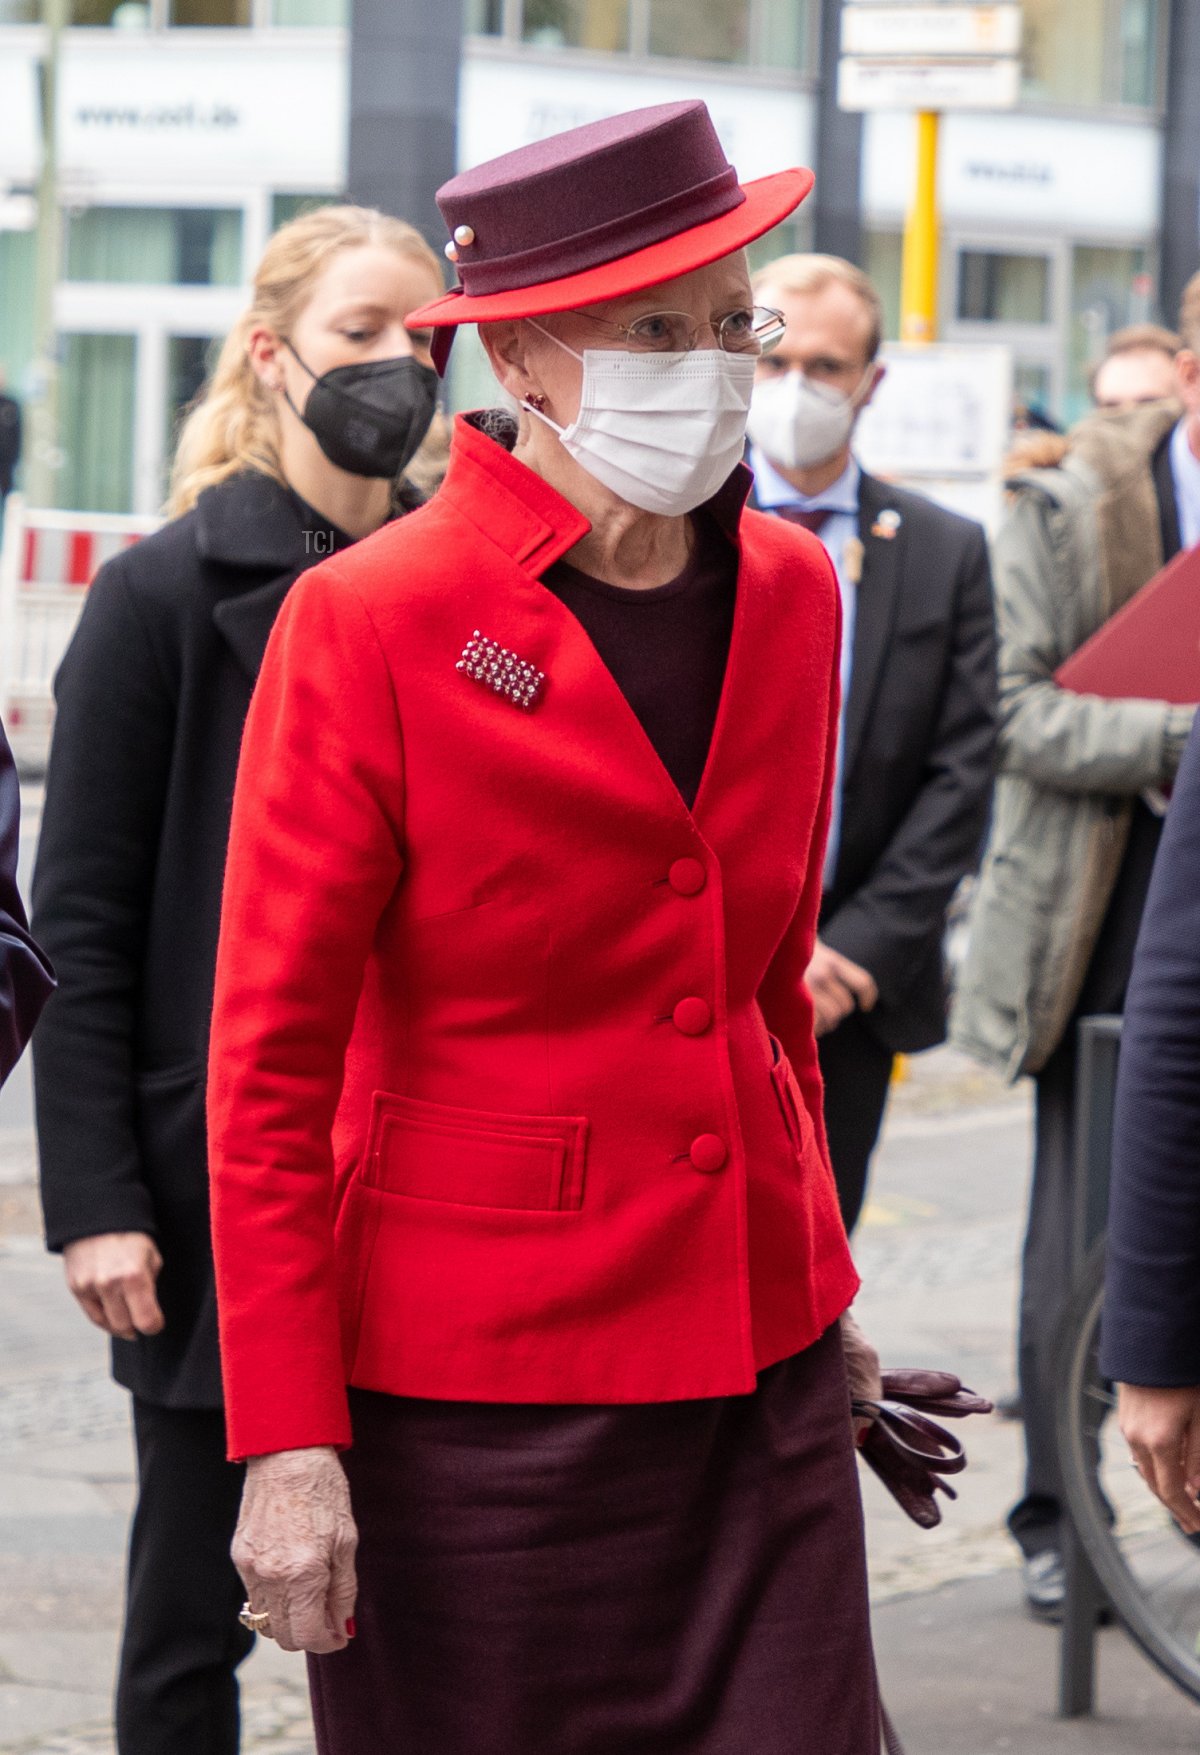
(663, 430)
(800, 423)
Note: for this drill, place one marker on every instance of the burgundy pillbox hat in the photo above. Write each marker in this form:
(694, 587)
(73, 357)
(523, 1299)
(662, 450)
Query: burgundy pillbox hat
(596, 213)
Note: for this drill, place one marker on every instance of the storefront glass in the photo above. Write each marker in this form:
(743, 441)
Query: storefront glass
(483, 18)
(785, 30)
(285, 207)
(701, 30)
(995, 286)
(296, 13)
(17, 277)
(97, 423)
(156, 246)
(600, 25)
(1110, 287)
(1068, 52)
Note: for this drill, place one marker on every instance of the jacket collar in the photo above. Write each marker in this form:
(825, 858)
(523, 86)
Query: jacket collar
(252, 523)
(249, 526)
(522, 514)
(529, 522)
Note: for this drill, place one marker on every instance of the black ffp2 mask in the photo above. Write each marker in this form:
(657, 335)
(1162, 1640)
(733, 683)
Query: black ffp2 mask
(369, 419)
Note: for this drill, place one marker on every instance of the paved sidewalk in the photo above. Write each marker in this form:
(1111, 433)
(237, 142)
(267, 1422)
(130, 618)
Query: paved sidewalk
(964, 1671)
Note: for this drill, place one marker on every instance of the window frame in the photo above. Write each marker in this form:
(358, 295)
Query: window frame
(511, 27)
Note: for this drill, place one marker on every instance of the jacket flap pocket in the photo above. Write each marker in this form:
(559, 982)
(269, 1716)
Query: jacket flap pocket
(474, 1157)
(791, 1101)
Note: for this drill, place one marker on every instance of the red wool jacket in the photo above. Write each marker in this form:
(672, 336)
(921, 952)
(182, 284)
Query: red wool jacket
(501, 1100)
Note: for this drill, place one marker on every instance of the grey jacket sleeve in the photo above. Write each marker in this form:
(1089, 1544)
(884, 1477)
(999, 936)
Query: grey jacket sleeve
(1077, 743)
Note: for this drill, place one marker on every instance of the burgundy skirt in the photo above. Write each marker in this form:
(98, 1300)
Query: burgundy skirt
(682, 1578)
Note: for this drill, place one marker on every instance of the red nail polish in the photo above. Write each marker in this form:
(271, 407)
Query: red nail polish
(351, 1628)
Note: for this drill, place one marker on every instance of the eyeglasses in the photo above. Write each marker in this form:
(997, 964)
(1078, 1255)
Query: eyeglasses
(755, 330)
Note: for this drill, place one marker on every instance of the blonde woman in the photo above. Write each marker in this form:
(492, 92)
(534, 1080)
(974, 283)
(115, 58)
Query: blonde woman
(296, 450)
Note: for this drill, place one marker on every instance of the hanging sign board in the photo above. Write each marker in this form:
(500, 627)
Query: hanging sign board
(930, 30)
(937, 84)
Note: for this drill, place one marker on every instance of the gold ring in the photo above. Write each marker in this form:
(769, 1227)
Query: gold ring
(256, 1623)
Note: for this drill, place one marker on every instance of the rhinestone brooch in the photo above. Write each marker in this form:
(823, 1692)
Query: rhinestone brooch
(493, 665)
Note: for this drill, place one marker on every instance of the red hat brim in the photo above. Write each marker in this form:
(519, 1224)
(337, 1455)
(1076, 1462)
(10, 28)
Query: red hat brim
(768, 201)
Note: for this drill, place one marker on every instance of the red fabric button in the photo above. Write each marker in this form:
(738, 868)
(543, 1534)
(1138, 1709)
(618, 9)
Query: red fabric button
(692, 1016)
(687, 877)
(708, 1152)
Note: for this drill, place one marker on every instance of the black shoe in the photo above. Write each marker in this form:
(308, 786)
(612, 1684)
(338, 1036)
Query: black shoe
(1045, 1585)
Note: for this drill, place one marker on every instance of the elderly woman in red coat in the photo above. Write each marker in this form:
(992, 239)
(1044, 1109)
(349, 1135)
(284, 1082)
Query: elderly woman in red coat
(529, 1261)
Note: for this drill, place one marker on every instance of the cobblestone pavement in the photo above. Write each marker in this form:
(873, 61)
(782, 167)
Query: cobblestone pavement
(937, 1251)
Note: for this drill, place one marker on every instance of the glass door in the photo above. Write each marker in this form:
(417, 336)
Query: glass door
(1016, 295)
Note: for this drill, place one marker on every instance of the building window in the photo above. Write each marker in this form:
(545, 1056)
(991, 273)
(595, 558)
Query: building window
(784, 32)
(188, 366)
(307, 14)
(600, 25)
(1110, 287)
(18, 281)
(701, 30)
(206, 14)
(756, 33)
(98, 373)
(883, 254)
(484, 18)
(785, 239)
(995, 287)
(156, 246)
(286, 207)
(1068, 52)
(120, 14)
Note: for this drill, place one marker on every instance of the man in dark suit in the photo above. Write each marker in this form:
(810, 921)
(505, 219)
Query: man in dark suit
(1078, 818)
(1151, 1334)
(918, 691)
(25, 979)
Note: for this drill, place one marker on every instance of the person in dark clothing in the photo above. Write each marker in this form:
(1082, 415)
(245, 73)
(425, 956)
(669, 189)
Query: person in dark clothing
(10, 439)
(319, 400)
(919, 699)
(26, 981)
(1078, 817)
(1150, 1339)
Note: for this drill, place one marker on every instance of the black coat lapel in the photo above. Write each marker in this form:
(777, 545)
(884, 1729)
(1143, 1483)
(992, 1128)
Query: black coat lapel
(1164, 488)
(875, 608)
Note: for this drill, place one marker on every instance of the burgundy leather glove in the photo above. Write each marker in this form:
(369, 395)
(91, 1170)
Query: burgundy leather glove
(907, 1449)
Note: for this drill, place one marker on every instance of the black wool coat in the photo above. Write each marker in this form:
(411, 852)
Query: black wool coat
(25, 978)
(919, 722)
(151, 700)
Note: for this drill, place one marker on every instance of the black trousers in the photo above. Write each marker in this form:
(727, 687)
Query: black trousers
(177, 1691)
(1046, 1263)
(857, 1070)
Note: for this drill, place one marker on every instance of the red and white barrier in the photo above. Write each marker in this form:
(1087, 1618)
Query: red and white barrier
(47, 562)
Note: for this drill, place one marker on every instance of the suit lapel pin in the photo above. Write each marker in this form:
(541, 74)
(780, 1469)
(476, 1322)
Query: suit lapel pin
(887, 524)
(486, 661)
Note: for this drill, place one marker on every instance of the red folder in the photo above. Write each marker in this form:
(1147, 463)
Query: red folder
(1149, 650)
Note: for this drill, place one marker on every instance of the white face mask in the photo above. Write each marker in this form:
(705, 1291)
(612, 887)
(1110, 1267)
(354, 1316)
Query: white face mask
(662, 430)
(800, 423)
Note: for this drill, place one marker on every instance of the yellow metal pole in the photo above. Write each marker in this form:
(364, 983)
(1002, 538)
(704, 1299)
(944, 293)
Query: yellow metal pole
(919, 270)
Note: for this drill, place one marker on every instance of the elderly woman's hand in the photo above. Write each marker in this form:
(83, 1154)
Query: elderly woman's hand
(862, 1368)
(295, 1545)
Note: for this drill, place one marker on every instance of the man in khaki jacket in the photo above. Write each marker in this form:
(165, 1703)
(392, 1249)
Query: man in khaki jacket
(1077, 820)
